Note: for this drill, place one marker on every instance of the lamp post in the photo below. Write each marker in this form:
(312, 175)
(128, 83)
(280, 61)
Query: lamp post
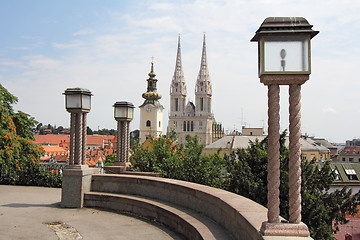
(77, 175)
(284, 59)
(78, 103)
(123, 114)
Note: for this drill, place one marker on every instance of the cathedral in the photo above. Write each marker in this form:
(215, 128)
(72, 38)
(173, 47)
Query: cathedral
(188, 118)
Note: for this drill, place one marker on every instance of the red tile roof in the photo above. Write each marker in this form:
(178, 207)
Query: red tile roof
(55, 139)
(51, 139)
(350, 150)
(95, 140)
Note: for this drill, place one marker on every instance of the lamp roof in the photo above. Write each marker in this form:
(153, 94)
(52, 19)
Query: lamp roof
(77, 90)
(124, 104)
(284, 25)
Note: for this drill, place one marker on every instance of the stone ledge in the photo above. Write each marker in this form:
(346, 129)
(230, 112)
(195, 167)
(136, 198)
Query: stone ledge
(242, 217)
(188, 223)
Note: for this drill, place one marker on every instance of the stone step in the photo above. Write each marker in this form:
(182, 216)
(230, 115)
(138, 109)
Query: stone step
(189, 223)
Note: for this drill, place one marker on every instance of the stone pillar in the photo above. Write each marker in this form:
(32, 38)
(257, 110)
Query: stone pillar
(122, 148)
(76, 181)
(127, 141)
(83, 136)
(118, 155)
(273, 175)
(78, 139)
(72, 138)
(294, 153)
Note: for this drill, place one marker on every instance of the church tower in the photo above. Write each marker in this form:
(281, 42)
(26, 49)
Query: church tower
(151, 110)
(203, 94)
(203, 89)
(177, 92)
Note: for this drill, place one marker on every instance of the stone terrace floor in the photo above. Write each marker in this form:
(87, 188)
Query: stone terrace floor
(35, 213)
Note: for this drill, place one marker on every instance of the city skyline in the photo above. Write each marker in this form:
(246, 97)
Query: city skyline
(107, 47)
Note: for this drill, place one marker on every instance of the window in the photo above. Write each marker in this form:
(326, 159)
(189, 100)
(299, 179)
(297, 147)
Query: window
(159, 123)
(303, 157)
(313, 157)
(148, 123)
(351, 174)
(337, 176)
(202, 104)
(176, 104)
(343, 159)
(351, 159)
(192, 126)
(184, 126)
(188, 126)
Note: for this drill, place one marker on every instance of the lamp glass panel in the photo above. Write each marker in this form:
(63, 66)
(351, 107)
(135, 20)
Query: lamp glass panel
(73, 101)
(120, 112)
(130, 113)
(86, 101)
(286, 54)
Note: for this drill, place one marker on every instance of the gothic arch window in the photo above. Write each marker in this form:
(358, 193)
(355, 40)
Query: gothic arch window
(192, 126)
(188, 126)
(148, 123)
(176, 104)
(184, 126)
(202, 104)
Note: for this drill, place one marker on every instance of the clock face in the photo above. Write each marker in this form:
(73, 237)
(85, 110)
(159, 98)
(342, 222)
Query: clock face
(282, 55)
(148, 109)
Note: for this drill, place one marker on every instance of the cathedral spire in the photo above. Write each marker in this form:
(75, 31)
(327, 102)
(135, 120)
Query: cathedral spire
(203, 79)
(178, 73)
(178, 66)
(178, 80)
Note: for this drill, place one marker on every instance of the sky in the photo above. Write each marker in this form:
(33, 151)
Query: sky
(107, 47)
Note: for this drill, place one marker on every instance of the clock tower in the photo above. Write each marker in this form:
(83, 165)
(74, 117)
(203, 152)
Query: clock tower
(151, 110)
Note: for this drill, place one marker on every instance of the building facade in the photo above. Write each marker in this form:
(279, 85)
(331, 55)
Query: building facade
(188, 118)
(349, 154)
(228, 144)
(151, 111)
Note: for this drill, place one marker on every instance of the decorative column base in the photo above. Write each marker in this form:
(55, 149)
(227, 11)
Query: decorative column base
(284, 229)
(76, 181)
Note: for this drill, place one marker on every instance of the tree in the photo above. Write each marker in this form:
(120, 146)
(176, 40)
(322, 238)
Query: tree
(89, 131)
(179, 162)
(105, 131)
(110, 159)
(247, 176)
(172, 135)
(19, 158)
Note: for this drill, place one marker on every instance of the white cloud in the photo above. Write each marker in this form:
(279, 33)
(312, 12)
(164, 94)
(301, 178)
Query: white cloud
(72, 44)
(41, 62)
(9, 62)
(83, 32)
(329, 110)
